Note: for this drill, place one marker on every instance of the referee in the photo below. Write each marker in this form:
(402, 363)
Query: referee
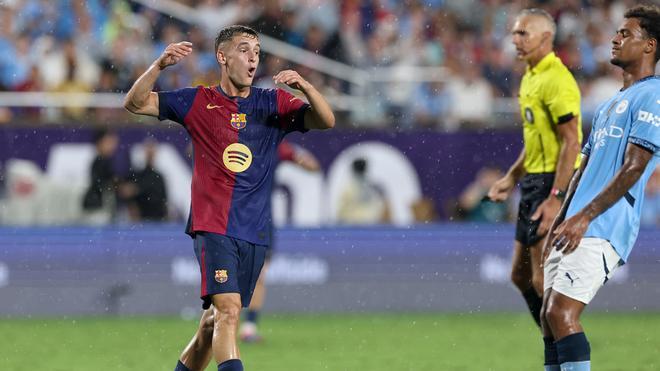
(549, 101)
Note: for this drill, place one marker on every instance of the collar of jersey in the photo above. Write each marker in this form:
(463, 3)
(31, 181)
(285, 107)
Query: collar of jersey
(234, 97)
(646, 78)
(651, 77)
(544, 63)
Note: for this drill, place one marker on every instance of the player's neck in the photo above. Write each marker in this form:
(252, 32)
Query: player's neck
(232, 90)
(637, 72)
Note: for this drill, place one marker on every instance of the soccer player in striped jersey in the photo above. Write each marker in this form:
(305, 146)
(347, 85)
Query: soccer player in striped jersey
(235, 130)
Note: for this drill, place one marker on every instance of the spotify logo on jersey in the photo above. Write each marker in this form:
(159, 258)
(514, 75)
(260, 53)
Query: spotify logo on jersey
(237, 157)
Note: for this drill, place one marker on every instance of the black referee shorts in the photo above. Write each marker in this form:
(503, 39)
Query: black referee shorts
(535, 188)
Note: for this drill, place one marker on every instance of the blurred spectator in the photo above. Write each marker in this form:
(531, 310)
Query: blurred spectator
(99, 202)
(424, 211)
(68, 40)
(216, 14)
(472, 99)
(496, 70)
(269, 21)
(431, 104)
(288, 151)
(362, 202)
(145, 190)
(65, 64)
(473, 204)
(606, 84)
(72, 84)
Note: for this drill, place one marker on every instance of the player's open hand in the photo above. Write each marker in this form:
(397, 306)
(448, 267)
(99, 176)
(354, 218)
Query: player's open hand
(501, 189)
(292, 79)
(174, 53)
(566, 238)
(547, 211)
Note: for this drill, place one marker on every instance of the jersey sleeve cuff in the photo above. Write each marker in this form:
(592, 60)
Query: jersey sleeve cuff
(301, 117)
(161, 107)
(565, 118)
(645, 144)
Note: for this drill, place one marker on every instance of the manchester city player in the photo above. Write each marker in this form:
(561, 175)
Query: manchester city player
(606, 193)
(235, 130)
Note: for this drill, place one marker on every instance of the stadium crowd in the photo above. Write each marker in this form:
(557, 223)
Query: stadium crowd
(102, 45)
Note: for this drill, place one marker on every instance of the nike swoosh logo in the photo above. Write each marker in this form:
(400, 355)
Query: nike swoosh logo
(292, 99)
(211, 106)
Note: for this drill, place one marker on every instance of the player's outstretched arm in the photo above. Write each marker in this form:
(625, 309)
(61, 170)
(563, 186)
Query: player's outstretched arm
(141, 99)
(320, 116)
(568, 153)
(501, 189)
(569, 233)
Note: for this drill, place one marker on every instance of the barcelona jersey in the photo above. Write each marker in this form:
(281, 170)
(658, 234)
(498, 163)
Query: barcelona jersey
(235, 143)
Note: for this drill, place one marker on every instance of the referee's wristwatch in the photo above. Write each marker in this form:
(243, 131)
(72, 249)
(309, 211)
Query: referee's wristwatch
(558, 193)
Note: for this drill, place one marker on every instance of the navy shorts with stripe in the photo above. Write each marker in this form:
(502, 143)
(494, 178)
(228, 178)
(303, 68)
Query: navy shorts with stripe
(227, 265)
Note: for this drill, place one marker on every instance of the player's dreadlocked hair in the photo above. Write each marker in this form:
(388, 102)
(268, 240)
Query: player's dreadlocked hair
(649, 21)
(230, 31)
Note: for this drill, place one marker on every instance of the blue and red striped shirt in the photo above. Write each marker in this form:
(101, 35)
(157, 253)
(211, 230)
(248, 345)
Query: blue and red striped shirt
(235, 143)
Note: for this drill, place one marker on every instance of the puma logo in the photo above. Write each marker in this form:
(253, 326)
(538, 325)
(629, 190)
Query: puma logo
(571, 278)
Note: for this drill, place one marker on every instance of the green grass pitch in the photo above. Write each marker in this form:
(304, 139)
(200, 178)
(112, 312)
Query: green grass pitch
(328, 342)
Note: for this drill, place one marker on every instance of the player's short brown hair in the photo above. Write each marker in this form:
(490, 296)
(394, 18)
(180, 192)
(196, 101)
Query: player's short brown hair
(649, 21)
(229, 32)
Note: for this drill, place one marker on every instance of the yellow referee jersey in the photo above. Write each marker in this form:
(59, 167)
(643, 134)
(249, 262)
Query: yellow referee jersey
(549, 96)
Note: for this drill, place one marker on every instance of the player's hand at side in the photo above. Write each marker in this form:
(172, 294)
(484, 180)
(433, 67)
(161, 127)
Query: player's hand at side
(174, 53)
(292, 79)
(501, 189)
(568, 234)
(547, 211)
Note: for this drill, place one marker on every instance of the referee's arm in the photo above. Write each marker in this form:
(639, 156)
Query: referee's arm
(569, 150)
(567, 133)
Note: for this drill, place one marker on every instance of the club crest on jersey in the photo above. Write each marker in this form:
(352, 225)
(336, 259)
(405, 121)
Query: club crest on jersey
(621, 107)
(238, 121)
(221, 275)
(529, 115)
(237, 157)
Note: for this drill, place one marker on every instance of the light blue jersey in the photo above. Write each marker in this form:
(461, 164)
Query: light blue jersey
(631, 116)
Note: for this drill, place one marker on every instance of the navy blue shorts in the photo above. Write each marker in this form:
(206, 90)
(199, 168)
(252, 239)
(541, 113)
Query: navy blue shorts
(228, 265)
(534, 189)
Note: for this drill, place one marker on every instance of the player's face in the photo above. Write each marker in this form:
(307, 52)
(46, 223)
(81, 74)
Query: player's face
(241, 58)
(628, 44)
(527, 37)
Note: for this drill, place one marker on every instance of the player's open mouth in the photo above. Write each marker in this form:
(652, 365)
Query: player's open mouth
(251, 71)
